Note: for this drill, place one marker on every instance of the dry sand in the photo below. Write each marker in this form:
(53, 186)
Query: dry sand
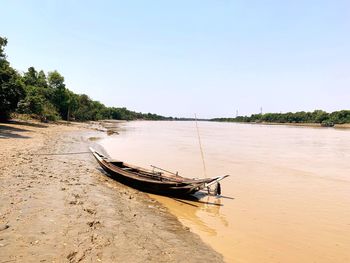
(62, 208)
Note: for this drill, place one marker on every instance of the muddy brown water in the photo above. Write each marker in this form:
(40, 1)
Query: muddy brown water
(288, 196)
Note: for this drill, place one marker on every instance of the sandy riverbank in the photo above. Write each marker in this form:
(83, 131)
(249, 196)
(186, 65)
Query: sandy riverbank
(61, 208)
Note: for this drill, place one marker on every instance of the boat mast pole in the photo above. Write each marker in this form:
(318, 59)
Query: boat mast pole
(200, 147)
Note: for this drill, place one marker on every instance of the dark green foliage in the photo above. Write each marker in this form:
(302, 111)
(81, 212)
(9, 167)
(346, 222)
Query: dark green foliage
(125, 114)
(50, 112)
(3, 44)
(327, 123)
(56, 80)
(340, 117)
(32, 104)
(317, 116)
(11, 85)
(60, 96)
(88, 109)
(34, 78)
(152, 116)
(37, 101)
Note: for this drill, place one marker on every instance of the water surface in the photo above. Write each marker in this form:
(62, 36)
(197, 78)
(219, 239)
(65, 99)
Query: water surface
(288, 196)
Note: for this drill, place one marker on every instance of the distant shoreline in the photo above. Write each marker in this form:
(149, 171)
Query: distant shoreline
(310, 125)
(104, 124)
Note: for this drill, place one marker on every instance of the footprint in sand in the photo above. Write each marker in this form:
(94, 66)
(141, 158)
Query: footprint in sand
(94, 224)
(90, 211)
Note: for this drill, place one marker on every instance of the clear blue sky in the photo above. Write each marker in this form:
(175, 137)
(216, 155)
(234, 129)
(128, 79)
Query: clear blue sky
(181, 57)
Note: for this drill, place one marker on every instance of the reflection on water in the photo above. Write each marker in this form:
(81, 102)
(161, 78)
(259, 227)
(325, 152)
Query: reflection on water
(288, 196)
(187, 210)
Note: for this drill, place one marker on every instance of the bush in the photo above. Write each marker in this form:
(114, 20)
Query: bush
(31, 104)
(38, 106)
(50, 113)
(327, 123)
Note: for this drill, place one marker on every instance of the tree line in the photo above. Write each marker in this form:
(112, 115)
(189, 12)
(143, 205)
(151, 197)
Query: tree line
(317, 116)
(46, 96)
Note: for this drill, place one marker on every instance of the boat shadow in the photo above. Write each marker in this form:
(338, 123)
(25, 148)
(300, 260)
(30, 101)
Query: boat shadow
(196, 200)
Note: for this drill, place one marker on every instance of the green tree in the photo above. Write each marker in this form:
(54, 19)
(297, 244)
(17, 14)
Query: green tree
(37, 102)
(320, 116)
(30, 78)
(56, 80)
(83, 111)
(11, 85)
(42, 80)
(34, 78)
(60, 95)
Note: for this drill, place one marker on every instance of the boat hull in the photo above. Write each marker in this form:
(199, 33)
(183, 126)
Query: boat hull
(161, 188)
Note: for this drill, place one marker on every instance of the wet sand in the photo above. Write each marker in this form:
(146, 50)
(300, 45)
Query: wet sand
(62, 208)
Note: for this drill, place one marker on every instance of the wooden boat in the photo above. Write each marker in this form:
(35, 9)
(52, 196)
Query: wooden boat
(159, 182)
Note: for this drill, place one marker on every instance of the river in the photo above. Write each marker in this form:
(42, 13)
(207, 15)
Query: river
(288, 195)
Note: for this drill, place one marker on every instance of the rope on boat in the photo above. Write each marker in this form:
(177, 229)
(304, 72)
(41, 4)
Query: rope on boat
(60, 153)
(200, 147)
